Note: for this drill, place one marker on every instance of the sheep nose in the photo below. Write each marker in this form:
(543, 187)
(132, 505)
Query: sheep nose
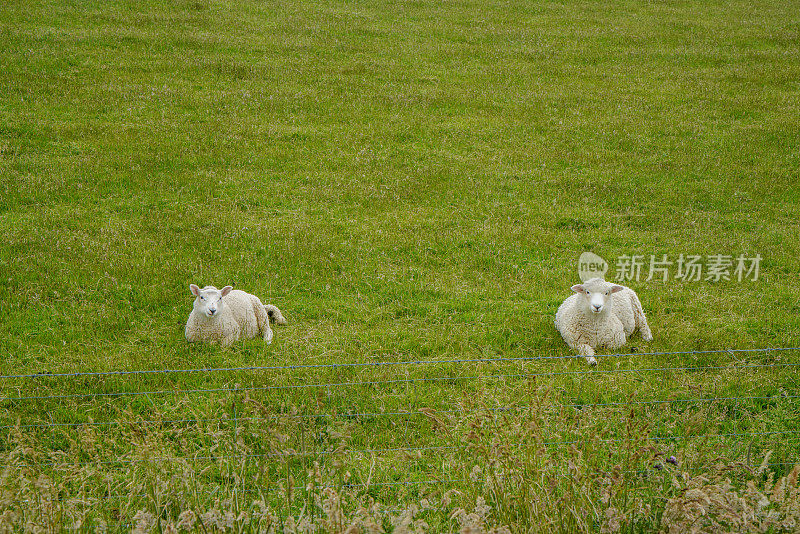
(597, 306)
(212, 312)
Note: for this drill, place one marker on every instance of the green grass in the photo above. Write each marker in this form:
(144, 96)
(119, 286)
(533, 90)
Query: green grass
(406, 181)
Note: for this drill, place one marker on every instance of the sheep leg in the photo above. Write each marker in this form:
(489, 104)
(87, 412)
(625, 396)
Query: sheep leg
(262, 318)
(640, 319)
(267, 333)
(587, 352)
(618, 340)
(231, 332)
(645, 330)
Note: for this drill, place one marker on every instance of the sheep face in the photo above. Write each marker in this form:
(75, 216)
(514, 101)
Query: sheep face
(208, 300)
(597, 293)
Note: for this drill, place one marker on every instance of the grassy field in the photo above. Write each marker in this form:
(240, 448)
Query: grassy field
(407, 181)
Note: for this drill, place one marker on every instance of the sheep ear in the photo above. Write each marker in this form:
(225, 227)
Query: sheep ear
(578, 288)
(194, 289)
(616, 289)
(226, 290)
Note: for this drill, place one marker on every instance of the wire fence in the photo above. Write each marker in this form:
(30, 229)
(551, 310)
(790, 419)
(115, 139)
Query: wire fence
(388, 363)
(26, 408)
(366, 452)
(395, 381)
(364, 415)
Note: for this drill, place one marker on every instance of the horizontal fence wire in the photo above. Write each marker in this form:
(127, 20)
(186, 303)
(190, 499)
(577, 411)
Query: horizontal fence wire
(381, 364)
(733, 366)
(314, 454)
(430, 481)
(394, 381)
(419, 412)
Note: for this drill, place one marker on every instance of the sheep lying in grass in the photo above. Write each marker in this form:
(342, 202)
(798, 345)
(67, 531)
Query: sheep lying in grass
(600, 314)
(227, 315)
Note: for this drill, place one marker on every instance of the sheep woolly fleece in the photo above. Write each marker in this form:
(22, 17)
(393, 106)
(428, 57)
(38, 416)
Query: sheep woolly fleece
(600, 314)
(227, 315)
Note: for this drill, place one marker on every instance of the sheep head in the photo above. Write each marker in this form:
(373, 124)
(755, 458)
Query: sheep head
(596, 294)
(208, 300)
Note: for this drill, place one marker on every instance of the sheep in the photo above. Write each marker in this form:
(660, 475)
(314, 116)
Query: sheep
(227, 315)
(600, 314)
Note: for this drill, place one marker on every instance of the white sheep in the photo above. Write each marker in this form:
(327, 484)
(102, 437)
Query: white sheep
(600, 314)
(227, 315)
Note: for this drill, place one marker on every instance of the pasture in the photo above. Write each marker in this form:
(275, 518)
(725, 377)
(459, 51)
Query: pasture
(412, 184)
